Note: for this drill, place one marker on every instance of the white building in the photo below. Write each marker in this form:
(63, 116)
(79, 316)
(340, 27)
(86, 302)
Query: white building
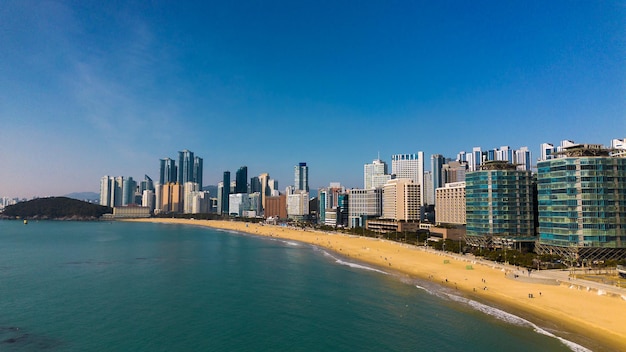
(189, 191)
(620, 146)
(273, 185)
(298, 204)
(450, 204)
(401, 200)
(548, 151)
(362, 204)
(410, 166)
(148, 199)
(238, 203)
(375, 174)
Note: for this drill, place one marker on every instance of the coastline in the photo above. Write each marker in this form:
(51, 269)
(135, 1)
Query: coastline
(596, 321)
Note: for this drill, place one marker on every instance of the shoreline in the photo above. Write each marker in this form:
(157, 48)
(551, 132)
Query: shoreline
(593, 320)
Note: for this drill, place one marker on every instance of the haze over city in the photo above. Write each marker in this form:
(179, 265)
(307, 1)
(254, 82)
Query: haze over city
(93, 89)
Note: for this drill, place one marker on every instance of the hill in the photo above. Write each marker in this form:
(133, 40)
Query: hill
(58, 208)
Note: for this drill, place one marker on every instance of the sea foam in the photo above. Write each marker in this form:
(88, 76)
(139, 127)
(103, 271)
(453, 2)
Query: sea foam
(353, 265)
(513, 319)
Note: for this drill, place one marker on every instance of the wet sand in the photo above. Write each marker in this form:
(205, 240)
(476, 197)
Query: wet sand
(593, 320)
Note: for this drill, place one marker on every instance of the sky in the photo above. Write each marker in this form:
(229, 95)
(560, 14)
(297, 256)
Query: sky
(94, 88)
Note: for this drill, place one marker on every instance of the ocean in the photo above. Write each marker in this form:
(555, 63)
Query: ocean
(116, 286)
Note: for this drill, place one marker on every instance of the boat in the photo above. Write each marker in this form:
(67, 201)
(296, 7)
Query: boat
(621, 271)
(25, 222)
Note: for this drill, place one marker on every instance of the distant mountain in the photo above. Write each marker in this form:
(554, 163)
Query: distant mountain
(86, 196)
(56, 208)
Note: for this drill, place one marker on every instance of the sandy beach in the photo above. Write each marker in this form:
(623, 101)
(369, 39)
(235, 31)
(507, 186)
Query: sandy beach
(592, 319)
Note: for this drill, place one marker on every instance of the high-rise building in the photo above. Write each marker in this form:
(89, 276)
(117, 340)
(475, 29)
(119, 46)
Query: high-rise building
(106, 184)
(255, 204)
(276, 207)
(410, 166)
(241, 180)
(375, 175)
(450, 204)
(146, 184)
(401, 200)
(171, 198)
(436, 164)
(190, 189)
(167, 171)
(301, 179)
(129, 187)
(265, 191)
(225, 192)
(364, 204)
(582, 204)
(238, 203)
(117, 194)
(549, 151)
(185, 167)
(521, 158)
(220, 197)
(273, 187)
(499, 206)
(148, 199)
(454, 171)
(429, 190)
(197, 171)
(255, 185)
(298, 205)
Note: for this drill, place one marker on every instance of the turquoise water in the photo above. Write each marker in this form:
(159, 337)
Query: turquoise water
(99, 286)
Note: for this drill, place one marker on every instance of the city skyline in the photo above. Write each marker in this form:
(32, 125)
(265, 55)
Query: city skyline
(106, 89)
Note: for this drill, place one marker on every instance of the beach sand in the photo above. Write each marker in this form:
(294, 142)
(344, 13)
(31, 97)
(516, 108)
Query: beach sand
(593, 320)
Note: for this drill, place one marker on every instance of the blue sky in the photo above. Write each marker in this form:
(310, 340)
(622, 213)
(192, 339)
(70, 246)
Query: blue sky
(93, 88)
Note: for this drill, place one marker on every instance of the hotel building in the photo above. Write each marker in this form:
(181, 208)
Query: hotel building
(410, 166)
(364, 204)
(450, 204)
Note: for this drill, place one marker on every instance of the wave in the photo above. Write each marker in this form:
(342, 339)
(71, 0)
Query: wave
(351, 264)
(512, 319)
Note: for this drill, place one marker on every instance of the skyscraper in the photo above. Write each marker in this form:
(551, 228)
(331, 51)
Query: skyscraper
(167, 171)
(197, 171)
(129, 187)
(410, 166)
(255, 185)
(241, 180)
(146, 184)
(301, 179)
(106, 185)
(582, 204)
(499, 205)
(225, 192)
(265, 191)
(436, 164)
(185, 166)
(273, 187)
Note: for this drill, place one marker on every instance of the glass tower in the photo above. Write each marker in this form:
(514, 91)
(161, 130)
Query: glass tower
(499, 205)
(301, 180)
(582, 202)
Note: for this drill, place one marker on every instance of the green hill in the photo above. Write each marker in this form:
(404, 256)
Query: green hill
(56, 208)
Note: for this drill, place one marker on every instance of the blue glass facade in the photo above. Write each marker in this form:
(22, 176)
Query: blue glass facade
(582, 202)
(499, 204)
